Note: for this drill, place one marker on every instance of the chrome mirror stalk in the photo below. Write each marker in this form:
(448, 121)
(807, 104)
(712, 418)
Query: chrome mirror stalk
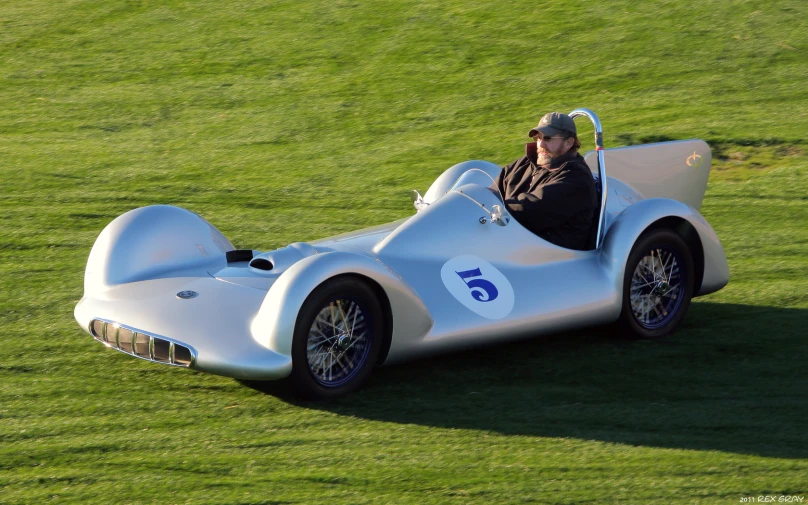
(418, 201)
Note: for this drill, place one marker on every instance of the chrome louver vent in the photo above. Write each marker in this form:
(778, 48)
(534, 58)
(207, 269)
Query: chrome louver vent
(141, 344)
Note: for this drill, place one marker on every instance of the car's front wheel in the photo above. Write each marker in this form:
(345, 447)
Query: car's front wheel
(657, 286)
(337, 339)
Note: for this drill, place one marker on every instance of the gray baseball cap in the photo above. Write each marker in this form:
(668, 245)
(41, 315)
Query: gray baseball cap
(554, 123)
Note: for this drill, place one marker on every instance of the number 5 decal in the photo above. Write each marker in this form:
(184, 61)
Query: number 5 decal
(479, 286)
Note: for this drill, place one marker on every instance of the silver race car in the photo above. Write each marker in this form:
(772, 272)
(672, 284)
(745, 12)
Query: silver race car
(162, 284)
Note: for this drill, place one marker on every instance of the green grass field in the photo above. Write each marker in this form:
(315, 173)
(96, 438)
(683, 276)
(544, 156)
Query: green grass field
(289, 121)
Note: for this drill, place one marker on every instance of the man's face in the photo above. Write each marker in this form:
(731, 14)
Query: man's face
(549, 148)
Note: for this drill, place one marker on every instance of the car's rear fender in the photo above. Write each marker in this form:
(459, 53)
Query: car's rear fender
(274, 325)
(662, 212)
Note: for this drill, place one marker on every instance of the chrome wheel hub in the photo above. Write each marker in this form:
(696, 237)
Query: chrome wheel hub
(343, 343)
(661, 288)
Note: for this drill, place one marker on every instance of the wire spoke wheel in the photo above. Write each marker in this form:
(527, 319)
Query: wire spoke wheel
(338, 340)
(656, 288)
(658, 285)
(337, 344)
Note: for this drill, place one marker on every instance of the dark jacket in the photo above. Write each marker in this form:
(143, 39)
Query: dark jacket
(556, 203)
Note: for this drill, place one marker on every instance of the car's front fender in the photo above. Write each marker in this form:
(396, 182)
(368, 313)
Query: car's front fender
(274, 325)
(153, 242)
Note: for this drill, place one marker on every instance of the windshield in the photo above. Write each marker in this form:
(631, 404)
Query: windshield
(479, 177)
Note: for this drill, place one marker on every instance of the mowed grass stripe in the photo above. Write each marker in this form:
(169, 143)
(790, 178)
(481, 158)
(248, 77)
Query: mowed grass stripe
(291, 121)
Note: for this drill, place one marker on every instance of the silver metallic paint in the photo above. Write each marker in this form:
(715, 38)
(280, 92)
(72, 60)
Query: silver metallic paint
(243, 320)
(660, 170)
(273, 326)
(450, 176)
(150, 242)
(215, 324)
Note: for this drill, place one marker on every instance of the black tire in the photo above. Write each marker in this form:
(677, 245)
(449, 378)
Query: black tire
(657, 285)
(337, 340)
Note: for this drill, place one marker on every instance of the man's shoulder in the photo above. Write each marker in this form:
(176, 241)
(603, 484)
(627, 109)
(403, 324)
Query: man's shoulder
(576, 172)
(580, 161)
(579, 164)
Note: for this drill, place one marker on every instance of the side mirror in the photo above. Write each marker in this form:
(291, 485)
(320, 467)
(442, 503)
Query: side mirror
(499, 217)
(418, 201)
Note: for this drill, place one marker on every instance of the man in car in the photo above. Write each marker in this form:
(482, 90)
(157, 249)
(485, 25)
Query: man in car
(550, 190)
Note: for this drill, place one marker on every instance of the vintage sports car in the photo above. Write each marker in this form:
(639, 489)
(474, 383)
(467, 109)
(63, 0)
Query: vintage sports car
(164, 285)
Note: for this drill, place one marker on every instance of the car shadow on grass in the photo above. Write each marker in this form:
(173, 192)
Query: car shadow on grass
(733, 378)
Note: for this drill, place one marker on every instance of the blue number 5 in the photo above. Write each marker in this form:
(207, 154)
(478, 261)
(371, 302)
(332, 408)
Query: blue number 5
(479, 287)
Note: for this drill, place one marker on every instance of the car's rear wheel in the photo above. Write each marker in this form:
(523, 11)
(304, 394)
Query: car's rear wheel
(337, 339)
(657, 286)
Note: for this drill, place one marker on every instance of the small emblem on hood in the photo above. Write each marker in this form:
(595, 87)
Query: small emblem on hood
(694, 160)
(187, 295)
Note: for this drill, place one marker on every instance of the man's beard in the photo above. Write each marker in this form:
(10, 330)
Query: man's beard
(544, 157)
(547, 157)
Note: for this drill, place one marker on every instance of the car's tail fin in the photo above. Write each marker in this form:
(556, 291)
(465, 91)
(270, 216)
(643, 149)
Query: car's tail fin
(676, 170)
